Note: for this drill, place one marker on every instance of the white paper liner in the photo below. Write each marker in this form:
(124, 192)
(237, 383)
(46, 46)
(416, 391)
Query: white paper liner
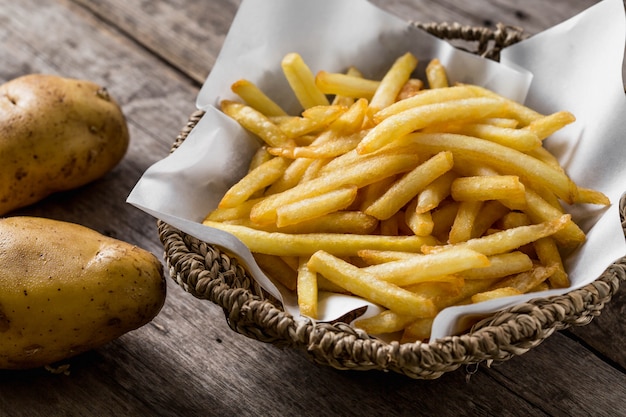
(575, 66)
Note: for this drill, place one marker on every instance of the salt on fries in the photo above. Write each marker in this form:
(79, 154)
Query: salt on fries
(413, 198)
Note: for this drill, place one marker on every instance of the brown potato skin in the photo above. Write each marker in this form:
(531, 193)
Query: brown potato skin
(56, 134)
(66, 289)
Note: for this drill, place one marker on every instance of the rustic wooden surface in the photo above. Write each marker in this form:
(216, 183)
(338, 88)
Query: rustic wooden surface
(153, 57)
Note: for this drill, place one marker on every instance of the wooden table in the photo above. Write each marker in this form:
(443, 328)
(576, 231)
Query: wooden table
(153, 56)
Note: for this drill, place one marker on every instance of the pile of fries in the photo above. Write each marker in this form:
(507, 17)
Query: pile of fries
(413, 194)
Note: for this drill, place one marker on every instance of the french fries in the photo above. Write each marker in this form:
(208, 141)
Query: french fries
(317, 206)
(259, 178)
(346, 85)
(366, 285)
(256, 98)
(415, 198)
(391, 84)
(302, 81)
(306, 283)
(420, 268)
(436, 74)
(305, 244)
(403, 190)
(417, 118)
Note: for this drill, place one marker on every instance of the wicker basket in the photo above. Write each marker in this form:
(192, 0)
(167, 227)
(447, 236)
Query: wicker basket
(209, 273)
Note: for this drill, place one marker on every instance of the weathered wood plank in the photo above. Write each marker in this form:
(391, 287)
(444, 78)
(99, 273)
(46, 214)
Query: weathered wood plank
(555, 379)
(187, 35)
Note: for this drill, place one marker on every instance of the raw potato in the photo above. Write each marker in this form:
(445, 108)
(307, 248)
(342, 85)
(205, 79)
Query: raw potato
(56, 134)
(66, 289)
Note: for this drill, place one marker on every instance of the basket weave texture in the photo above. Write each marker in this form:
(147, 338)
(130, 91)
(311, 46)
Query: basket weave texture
(209, 273)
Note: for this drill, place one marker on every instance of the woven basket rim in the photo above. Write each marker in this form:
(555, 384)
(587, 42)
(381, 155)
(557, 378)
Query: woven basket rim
(207, 272)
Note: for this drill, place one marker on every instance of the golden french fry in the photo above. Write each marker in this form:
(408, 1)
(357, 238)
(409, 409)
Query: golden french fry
(525, 115)
(436, 74)
(519, 139)
(412, 87)
(341, 161)
(324, 115)
(291, 177)
(466, 167)
(351, 121)
(315, 206)
(351, 222)
(259, 157)
(500, 157)
(393, 81)
(541, 287)
(547, 125)
(443, 219)
(346, 85)
(546, 157)
(490, 212)
(386, 321)
(367, 286)
(256, 122)
(419, 268)
(360, 174)
(374, 191)
(539, 210)
(445, 285)
(241, 211)
(338, 244)
(435, 192)
(328, 149)
(374, 257)
(514, 219)
(259, 178)
(313, 119)
(346, 100)
(415, 118)
(418, 330)
(463, 225)
(589, 196)
(302, 81)
(495, 293)
(314, 168)
(403, 190)
(507, 240)
(549, 255)
(307, 289)
(256, 98)
(526, 281)
(500, 122)
(500, 266)
(426, 97)
(506, 188)
(328, 286)
(352, 157)
(461, 297)
(421, 224)
(277, 269)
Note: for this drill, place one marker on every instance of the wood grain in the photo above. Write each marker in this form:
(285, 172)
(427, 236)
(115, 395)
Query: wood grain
(153, 57)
